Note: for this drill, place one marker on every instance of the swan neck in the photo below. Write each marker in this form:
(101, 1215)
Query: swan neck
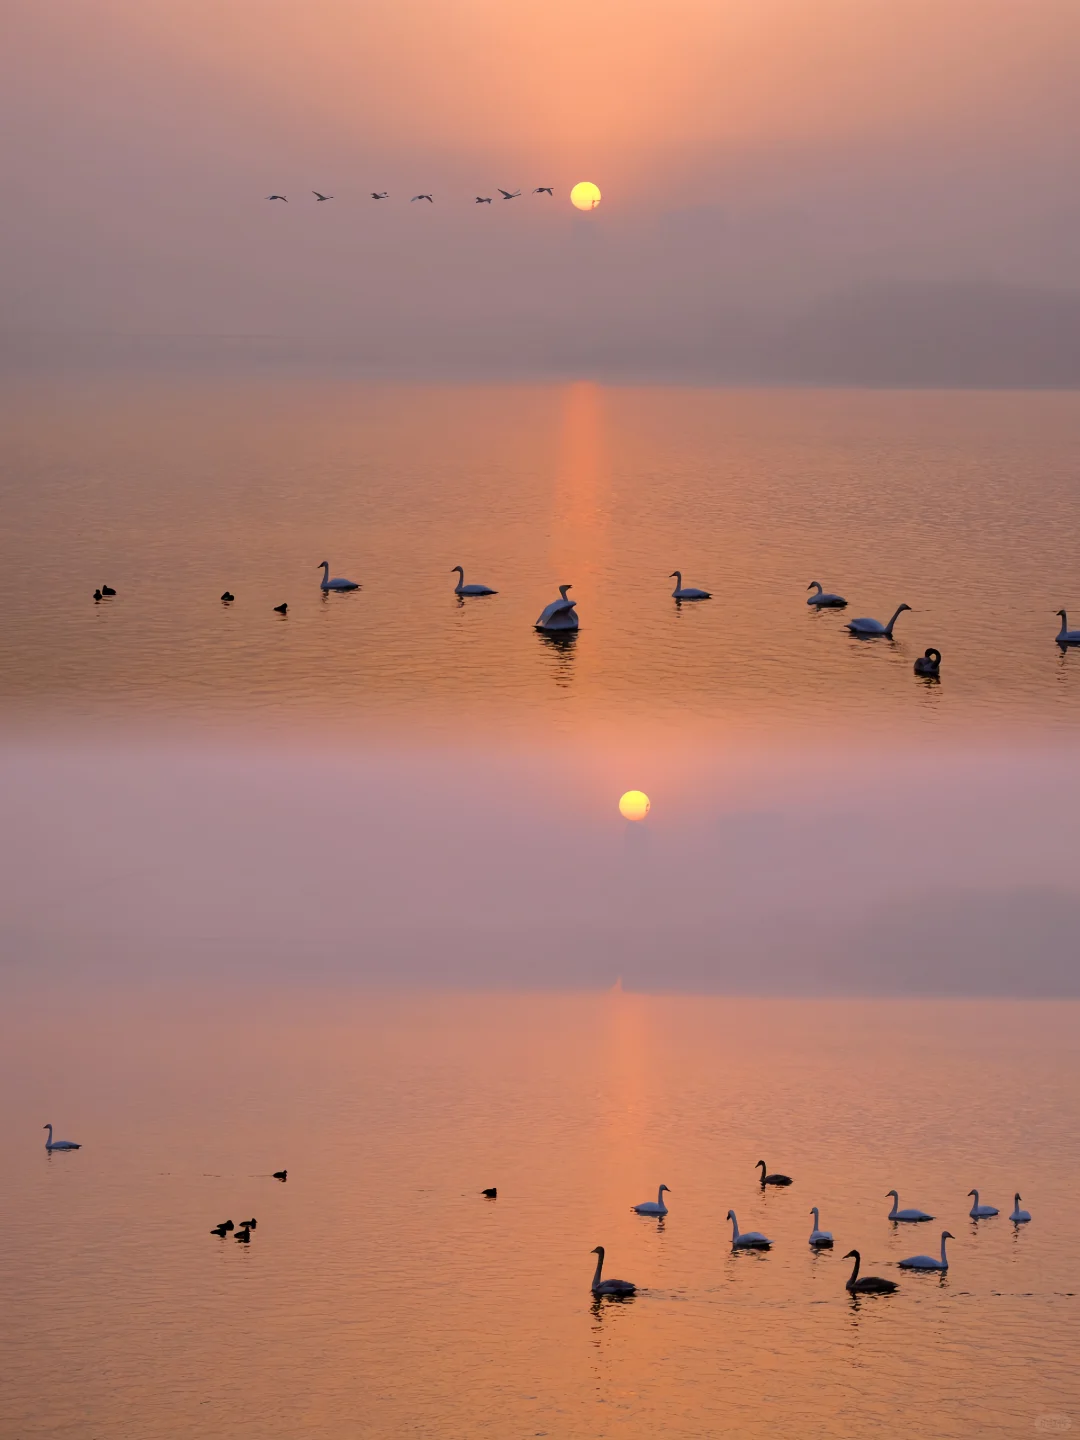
(892, 622)
(943, 1260)
(855, 1270)
(895, 1207)
(599, 1268)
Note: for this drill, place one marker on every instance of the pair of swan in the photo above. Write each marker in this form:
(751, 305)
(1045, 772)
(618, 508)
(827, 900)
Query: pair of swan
(930, 1262)
(686, 592)
(911, 1216)
(1065, 636)
(51, 1144)
(648, 1207)
(609, 1287)
(558, 617)
(767, 1179)
(462, 589)
(980, 1212)
(871, 628)
(746, 1239)
(338, 584)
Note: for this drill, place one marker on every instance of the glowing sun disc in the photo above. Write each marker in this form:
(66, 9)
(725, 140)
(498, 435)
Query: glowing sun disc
(634, 805)
(585, 195)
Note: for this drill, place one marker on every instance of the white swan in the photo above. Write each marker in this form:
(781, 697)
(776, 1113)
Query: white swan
(823, 599)
(559, 615)
(980, 1212)
(327, 584)
(748, 1240)
(896, 1214)
(648, 1208)
(462, 589)
(686, 592)
(51, 1144)
(1018, 1216)
(1065, 636)
(875, 627)
(929, 1262)
(609, 1287)
(819, 1239)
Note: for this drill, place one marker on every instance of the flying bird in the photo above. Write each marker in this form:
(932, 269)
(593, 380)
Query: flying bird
(321, 197)
(428, 198)
(544, 190)
(380, 194)
(483, 199)
(508, 194)
(278, 197)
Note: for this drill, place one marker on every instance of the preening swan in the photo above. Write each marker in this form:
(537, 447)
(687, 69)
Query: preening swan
(748, 1240)
(819, 1239)
(51, 1144)
(897, 1214)
(980, 1212)
(767, 1179)
(823, 600)
(608, 1287)
(869, 1284)
(686, 592)
(929, 663)
(648, 1208)
(1065, 636)
(327, 584)
(462, 589)
(1018, 1216)
(559, 615)
(875, 627)
(929, 1262)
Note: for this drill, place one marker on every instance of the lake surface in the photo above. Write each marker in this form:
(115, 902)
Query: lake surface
(348, 892)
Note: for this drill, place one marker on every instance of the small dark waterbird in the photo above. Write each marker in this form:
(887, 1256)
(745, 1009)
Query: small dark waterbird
(228, 598)
(248, 1224)
(97, 594)
(490, 1193)
(243, 1235)
(107, 590)
(767, 1179)
(223, 1229)
(281, 609)
(280, 1175)
(867, 1284)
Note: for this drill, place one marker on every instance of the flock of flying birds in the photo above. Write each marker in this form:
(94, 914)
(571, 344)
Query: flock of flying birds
(385, 195)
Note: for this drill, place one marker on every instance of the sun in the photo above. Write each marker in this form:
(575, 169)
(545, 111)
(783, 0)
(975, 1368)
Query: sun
(634, 805)
(585, 195)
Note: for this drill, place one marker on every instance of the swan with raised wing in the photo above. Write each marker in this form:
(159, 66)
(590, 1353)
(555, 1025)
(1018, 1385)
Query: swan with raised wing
(51, 1144)
(747, 1239)
(929, 1262)
(1065, 636)
(823, 600)
(462, 589)
(1018, 1216)
(609, 1287)
(819, 1239)
(867, 1284)
(337, 584)
(686, 592)
(559, 615)
(648, 1207)
(870, 628)
(980, 1212)
(909, 1215)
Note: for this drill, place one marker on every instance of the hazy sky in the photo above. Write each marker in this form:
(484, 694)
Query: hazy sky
(758, 158)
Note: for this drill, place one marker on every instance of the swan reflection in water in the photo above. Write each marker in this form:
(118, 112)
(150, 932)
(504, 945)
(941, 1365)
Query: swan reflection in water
(563, 646)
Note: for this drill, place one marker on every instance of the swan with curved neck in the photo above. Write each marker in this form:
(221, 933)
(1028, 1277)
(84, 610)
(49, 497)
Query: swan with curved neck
(767, 1179)
(462, 589)
(822, 600)
(910, 1215)
(609, 1287)
(929, 663)
(865, 626)
(648, 1208)
(1018, 1216)
(1065, 636)
(867, 1284)
(686, 592)
(51, 1144)
(980, 1212)
(559, 615)
(819, 1239)
(929, 1262)
(748, 1239)
(338, 584)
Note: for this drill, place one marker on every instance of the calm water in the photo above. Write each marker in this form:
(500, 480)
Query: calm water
(231, 840)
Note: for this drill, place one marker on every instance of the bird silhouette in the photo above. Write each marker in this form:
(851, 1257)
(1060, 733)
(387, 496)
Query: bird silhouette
(107, 590)
(281, 1174)
(321, 197)
(428, 198)
(380, 194)
(490, 1193)
(281, 609)
(508, 194)
(278, 197)
(97, 594)
(544, 190)
(483, 199)
(223, 1229)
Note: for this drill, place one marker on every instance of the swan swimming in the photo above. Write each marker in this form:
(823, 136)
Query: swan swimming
(875, 627)
(462, 589)
(327, 584)
(869, 1284)
(767, 1179)
(748, 1239)
(609, 1287)
(1018, 1216)
(929, 1262)
(1065, 636)
(559, 615)
(649, 1208)
(820, 1239)
(51, 1144)
(980, 1212)
(686, 592)
(897, 1214)
(929, 663)
(823, 600)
